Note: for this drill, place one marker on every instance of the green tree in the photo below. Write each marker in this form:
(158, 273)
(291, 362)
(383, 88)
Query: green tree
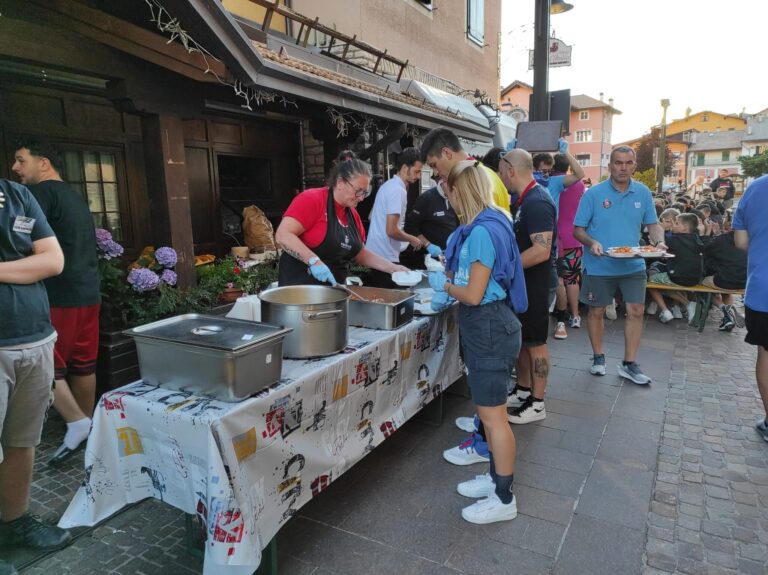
(754, 166)
(647, 177)
(644, 153)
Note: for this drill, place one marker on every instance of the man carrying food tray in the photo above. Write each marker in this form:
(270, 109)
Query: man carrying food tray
(612, 214)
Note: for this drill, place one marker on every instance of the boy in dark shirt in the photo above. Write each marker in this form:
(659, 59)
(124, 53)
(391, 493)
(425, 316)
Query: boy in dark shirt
(726, 268)
(685, 269)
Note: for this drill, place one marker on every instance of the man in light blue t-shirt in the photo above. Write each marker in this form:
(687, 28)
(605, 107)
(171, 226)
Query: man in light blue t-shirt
(750, 226)
(611, 214)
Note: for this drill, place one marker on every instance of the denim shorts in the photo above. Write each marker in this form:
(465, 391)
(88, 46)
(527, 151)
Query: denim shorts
(490, 340)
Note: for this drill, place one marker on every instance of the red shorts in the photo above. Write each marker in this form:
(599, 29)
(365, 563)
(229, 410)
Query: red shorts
(78, 344)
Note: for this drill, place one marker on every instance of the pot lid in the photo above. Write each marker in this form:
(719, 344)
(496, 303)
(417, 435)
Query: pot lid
(214, 332)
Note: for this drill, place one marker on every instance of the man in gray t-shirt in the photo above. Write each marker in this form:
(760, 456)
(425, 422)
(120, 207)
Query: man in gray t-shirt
(29, 253)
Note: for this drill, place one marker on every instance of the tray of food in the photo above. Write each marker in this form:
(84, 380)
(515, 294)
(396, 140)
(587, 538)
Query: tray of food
(637, 252)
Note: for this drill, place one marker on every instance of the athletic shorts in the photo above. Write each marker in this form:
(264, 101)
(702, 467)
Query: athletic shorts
(490, 342)
(535, 320)
(77, 348)
(598, 291)
(757, 327)
(26, 393)
(569, 266)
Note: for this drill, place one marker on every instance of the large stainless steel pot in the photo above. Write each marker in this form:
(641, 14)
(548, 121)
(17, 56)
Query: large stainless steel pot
(316, 314)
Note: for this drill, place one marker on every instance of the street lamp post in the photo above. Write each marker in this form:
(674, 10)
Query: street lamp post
(662, 148)
(540, 101)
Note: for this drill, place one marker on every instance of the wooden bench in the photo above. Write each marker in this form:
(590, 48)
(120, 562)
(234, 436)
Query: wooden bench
(703, 299)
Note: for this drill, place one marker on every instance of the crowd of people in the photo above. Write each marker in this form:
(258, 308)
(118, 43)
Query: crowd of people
(522, 237)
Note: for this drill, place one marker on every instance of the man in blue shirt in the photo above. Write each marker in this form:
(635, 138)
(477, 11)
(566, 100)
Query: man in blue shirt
(611, 214)
(750, 226)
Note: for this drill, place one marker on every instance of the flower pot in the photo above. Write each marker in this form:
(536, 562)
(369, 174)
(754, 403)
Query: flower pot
(230, 295)
(117, 363)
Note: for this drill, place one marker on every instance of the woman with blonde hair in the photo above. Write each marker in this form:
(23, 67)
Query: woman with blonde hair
(485, 275)
(697, 188)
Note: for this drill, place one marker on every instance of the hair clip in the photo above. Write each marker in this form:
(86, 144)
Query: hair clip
(476, 164)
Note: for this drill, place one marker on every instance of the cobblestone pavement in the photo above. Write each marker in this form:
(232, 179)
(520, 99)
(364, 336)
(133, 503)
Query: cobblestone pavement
(709, 513)
(617, 479)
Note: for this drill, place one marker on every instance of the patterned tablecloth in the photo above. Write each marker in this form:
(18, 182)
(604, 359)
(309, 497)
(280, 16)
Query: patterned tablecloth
(245, 468)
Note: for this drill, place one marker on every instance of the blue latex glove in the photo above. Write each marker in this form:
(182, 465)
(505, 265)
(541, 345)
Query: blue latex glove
(434, 250)
(322, 273)
(562, 146)
(512, 144)
(437, 281)
(440, 301)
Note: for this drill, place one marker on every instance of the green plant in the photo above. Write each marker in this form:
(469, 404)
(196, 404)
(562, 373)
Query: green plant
(754, 166)
(234, 273)
(647, 177)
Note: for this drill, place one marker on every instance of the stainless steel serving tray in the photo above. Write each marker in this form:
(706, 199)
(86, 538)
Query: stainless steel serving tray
(389, 309)
(229, 359)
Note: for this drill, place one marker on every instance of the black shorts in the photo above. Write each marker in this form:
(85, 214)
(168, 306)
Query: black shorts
(757, 327)
(535, 320)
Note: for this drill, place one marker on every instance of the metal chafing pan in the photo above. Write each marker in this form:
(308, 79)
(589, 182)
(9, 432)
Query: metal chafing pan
(385, 308)
(229, 359)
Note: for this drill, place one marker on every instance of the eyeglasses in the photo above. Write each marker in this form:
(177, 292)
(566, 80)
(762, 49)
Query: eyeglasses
(362, 194)
(503, 159)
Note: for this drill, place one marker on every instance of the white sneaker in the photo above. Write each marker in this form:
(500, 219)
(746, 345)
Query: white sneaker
(666, 316)
(677, 313)
(598, 365)
(560, 332)
(652, 308)
(490, 510)
(517, 397)
(691, 311)
(468, 424)
(480, 486)
(472, 450)
(575, 322)
(529, 412)
(610, 310)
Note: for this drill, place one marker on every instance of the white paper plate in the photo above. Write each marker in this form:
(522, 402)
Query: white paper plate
(407, 279)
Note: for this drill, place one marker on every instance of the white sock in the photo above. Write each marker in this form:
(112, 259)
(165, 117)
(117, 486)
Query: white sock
(77, 432)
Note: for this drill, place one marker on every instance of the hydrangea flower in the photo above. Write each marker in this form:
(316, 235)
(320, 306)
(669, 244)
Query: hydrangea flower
(111, 249)
(169, 277)
(166, 257)
(143, 279)
(103, 235)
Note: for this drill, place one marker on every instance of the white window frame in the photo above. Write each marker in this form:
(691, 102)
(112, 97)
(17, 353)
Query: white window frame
(583, 114)
(476, 21)
(582, 158)
(583, 136)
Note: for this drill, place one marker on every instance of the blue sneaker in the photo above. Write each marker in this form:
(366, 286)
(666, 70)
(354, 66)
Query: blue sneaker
(598, 364)
(468, 424)
(471, 450)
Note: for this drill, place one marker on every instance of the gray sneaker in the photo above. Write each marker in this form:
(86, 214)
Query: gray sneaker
(598, 364)
(762, 429)
(632, 372)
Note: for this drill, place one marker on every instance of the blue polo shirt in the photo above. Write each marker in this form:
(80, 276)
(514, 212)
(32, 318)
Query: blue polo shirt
(751, 216)
(614, 219)
(555, 187)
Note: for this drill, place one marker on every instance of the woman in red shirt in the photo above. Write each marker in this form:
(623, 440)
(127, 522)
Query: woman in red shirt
(322, 229)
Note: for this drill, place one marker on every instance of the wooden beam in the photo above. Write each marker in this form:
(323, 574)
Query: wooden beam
(309, 29)
(126, 37)
(346, 49)
(166, 167)
(402, 69)
(267, 19)
(395, 133)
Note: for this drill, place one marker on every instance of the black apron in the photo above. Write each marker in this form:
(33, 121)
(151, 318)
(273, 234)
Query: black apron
(339, 247)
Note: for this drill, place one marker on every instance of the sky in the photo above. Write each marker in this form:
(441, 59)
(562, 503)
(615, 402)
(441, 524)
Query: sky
(702, 54)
